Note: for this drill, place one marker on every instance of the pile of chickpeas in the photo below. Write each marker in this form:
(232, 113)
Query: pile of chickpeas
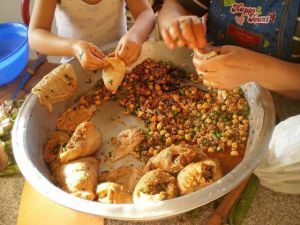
(184, 115)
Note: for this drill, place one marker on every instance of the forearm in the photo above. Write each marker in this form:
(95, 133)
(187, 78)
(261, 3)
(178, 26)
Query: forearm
(170, 11)
(43, 41)
(281, 77)
(144, 24)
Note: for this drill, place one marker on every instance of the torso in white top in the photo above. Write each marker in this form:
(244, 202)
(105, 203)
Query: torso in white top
(99, 24)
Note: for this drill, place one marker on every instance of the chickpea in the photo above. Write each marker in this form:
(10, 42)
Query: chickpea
(163, 132)
(193, 90)
(223, 107)
(174, 108)
(208, 120)
(187, 137)
(229, 143)
(234, 145)
(245, 121)
(176, 97)
(97, 102)
(159, 126)
(131, 106)
(180, 132)
(207, 95)
(96, 92)
(210, 149)
(216, 108)
(234, 153)
(167, 135)
(199, 106)
(153, 118)
(169, 141)
(152, 127)
(160, 93)
(151, 151)
(241, 118)
(235, 121)
(157, 87)
(224, 139)
(205, 105)
(140, 114)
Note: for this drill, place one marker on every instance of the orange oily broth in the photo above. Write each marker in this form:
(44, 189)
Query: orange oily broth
(227, 161)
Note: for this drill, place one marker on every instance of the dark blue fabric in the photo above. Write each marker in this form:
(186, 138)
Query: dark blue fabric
(266, 26)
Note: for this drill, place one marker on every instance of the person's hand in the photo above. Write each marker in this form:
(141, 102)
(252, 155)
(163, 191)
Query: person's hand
(89, 56)
(185, 31)
(231, 68)
(129, 48)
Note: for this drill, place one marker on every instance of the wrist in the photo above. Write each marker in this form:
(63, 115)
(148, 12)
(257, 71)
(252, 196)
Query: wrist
(134, 36)
(76, 48)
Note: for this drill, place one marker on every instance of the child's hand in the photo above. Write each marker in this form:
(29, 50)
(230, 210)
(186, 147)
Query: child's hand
(129, 48)
(234, 66)
(89, 56)
(185, 31)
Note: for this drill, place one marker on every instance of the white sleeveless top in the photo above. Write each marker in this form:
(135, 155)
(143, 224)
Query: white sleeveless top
(99, 24)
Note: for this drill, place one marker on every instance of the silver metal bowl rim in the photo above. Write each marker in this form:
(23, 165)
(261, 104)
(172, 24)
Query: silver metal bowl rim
(143, 212)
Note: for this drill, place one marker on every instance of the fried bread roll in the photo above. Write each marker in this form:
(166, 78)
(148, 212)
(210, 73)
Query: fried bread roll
(198, 175)
(57, 86)
(173, 159)
(126, 142)
(54, 144)
(110, 192)
(154, 186)
(79, 177)
(128, 176)
(85, 141)
(113, 74)
(72, 117)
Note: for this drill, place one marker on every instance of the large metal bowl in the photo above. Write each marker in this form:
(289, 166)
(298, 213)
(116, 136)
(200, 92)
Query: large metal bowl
(34, 125)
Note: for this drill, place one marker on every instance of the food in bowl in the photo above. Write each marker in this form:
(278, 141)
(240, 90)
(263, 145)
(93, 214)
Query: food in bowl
(199, 136)
(113, 74)
(57, 86)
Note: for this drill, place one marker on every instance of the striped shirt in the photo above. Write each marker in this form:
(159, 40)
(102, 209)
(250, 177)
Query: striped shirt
(200, 7)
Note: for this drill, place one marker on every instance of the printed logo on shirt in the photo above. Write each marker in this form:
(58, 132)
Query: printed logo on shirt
(252, 15)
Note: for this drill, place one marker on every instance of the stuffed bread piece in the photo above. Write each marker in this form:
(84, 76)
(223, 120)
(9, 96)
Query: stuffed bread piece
(113, 74)
(110, 192)
(79, 177)
(57, 86)
(85, 141)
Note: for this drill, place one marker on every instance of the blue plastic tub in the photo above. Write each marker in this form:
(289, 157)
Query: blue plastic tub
(14, 51)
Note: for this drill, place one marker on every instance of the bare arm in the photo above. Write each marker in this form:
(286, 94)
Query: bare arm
(130, 45)
(282, 77)
(40, 34)
(144, 18)
(42, 40)
(235, 66)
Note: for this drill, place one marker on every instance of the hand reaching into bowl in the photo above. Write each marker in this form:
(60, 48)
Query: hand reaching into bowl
(185, 31)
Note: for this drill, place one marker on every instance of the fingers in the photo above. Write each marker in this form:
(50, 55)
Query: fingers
(129, 52)
(199, 32)
(167, 38)
(175, 34)
(187, 33)
(96, 52)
